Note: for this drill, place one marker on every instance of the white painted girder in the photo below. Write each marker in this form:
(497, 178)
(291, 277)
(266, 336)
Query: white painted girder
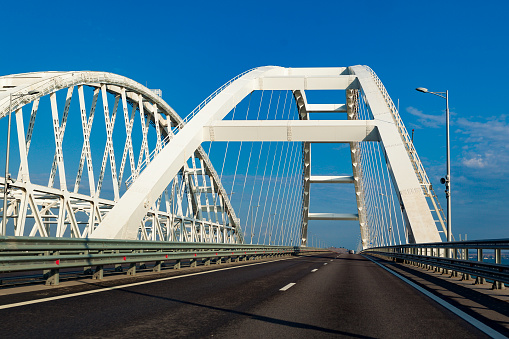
(420, 222)
(333, 216)
(306, 82)
(331, 179)
(291, 130)
(326, 108)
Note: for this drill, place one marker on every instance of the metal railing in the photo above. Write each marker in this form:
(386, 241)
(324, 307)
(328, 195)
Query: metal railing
(466, 257)
(50, 255)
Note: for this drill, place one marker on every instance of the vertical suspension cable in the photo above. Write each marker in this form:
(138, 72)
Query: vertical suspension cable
(264, 171)
(276, 178)
(255, 177)
(249, 160)
(281, 184)
(293, 167)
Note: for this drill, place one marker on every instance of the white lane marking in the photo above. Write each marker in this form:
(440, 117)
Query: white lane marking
(331, 260)
(65, 296)
(324, 263)
(476, 323)
(316, 269)
(287, 287)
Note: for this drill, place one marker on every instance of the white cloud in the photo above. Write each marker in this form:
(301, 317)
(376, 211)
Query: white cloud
(486, 144)
(427, 120)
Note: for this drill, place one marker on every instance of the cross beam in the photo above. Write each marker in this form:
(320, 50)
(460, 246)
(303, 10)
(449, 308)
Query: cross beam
(292, 130)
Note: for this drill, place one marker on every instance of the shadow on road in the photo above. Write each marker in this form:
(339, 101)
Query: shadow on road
(252, 316)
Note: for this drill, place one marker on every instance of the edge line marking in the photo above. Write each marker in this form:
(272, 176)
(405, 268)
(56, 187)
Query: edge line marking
(468, 318)
(111, 288)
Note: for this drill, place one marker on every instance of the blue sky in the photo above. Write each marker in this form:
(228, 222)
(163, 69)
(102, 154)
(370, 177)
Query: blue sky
(190, 49)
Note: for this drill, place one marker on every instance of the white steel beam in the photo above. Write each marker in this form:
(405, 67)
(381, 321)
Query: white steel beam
(333, 216)
(415, 208)
(311, 82)
(292, 130)
(326, 108)
(331, 179)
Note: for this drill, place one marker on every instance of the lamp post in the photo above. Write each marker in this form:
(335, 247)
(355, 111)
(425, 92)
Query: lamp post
(7, 176)
(447, 180)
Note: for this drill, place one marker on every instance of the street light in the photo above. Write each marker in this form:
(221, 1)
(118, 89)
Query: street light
(7, 176)
(447, 180)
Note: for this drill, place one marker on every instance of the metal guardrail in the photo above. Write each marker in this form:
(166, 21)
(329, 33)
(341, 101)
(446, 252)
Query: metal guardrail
(454, 256)
(22, 254)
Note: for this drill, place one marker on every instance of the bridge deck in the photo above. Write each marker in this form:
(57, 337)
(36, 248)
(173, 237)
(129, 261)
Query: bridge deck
(345, 295)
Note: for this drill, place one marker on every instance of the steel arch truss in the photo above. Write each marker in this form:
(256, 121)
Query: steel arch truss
(193, 206)
(362, 88)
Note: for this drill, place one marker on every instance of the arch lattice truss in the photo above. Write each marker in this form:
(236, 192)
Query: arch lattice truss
(75, 200)
(176, 163)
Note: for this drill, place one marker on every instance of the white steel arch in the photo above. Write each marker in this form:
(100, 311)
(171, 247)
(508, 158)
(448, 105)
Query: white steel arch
(359, 83)
(48, 205)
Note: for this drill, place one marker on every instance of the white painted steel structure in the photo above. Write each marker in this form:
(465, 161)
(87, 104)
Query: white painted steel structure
(192, 207)
(371, 119)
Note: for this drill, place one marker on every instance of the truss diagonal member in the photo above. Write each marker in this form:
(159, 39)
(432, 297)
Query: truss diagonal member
(50, 206)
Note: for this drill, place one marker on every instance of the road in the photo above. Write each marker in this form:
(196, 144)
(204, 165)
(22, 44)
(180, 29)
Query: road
(332, 296)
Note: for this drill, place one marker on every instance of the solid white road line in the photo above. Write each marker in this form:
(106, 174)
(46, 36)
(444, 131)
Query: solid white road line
(476, 323)
(287, 287)
(65, 296)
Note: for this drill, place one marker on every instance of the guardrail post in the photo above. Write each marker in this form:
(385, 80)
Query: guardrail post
(454, 256)
(194, 263)
(206, 262)
(87, 270)
(52, 276)
(427, 266)
(479, 280)
(498, 285)
(219, 261)
(118, 267)
(157, 266)
(132, 269)
(99, 272)
(177, 265)
(228, 260)
(444, 254)
(465, 276)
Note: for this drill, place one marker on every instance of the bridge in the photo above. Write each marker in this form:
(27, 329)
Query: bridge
(102, 175)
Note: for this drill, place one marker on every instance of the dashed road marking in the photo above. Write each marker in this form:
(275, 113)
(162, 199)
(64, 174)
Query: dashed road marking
(316, 269)
(287, 287)
(324, 263)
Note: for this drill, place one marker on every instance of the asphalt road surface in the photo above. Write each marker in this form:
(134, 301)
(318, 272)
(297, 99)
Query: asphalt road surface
(331, 296)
